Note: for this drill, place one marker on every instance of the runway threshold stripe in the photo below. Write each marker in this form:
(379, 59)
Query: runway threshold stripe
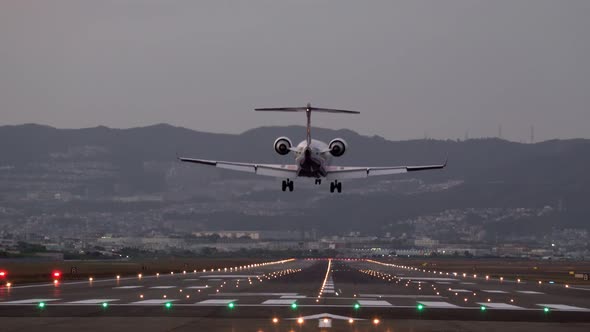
(437, 304)
(30, 301)
(279, 301)
(92, 301)
(496, 305)
(460, 290)
(374, 303)
(216, 302)
(563, 307)
(152, 302)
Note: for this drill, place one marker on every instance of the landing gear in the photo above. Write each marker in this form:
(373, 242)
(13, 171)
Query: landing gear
(318, 181)
(287, 184)
(335, 185)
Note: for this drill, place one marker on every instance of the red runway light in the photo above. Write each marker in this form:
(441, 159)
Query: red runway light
(3, 274)
(56, 274)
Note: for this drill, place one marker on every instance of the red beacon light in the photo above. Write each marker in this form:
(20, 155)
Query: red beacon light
(56, 274)
(3, 274)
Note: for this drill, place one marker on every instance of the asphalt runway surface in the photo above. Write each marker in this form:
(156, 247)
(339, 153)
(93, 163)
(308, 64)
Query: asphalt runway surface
(297, 295)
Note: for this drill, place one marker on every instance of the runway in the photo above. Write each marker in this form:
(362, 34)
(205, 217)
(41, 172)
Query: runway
(300, 292)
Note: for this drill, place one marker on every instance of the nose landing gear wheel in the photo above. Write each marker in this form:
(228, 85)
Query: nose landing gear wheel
(287, 184)
(318, 181)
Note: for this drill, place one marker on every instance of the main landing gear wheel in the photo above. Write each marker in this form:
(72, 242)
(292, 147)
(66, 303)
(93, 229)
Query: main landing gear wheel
(287, 184)
(335, 185)
(318, 181)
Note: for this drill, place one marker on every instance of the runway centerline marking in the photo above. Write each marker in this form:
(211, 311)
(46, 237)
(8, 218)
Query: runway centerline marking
(529, 292)
(127, 287)
(162, 287)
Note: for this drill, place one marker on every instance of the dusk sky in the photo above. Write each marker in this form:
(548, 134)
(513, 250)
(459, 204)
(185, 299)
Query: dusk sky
(411, 68)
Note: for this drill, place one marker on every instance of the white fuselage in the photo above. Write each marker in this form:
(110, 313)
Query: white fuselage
(313, 160)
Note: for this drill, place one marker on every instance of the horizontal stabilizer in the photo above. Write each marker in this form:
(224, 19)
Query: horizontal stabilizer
(305, 109)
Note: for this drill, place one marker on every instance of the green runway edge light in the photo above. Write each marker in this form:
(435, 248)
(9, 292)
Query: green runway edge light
(41, 305)
(294, 305)
(168, 305)
(357, 306)
(482, 308)
(105, 305)
(231, 305)
(420, 307)
(545, 310)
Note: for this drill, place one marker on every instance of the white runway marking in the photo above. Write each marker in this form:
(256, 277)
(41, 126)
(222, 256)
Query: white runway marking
(197, 287)
(495, 291)
(428, 278)
(496, 305)
(162, 287)
(374, 303)
(563, 307)
(230, 276)
(400, 296)
(216, 302)
(436, 304)
(92, 301)
(279, 301)
(529, 292)
(460, 290)
(30, 301)
(293, 297)
(150, 302)
(467, 283)
(254, 294)
(190, 280)
(127, 287)
(443, 283)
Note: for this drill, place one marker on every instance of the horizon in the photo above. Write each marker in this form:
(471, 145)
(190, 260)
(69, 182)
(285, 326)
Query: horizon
(458, 139)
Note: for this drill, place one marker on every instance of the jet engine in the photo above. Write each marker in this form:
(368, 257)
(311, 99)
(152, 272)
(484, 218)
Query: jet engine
(283, 145)
(337, 147)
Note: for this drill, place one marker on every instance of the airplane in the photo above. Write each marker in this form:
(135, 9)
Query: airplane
(312, 158)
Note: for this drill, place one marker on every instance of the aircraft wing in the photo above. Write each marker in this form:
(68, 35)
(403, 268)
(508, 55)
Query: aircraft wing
(275, 170)
(339, 172)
